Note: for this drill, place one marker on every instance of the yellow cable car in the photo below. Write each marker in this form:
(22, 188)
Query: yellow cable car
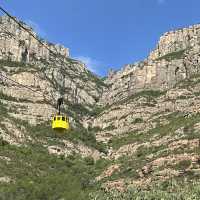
(60, 123)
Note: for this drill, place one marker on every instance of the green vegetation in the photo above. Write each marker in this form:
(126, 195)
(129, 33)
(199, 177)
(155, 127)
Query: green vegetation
(182, 165)
(172, 189)
(87, 137)
(146, 153)
(10, 98)
(10, 63)
(96, 110)
(104, 78)
(138, 120)
(79, 134)
(189, 82)
(3, 110)
(151, 95)
(116, 142)
(176, 121)
(174, 55)
(37, 175)
(82, 110)
(91, 76)
(109, 128)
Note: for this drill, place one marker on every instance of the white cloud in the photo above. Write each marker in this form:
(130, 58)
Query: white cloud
(36, 28)
(92, 64)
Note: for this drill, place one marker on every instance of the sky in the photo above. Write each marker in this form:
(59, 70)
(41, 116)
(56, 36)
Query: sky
(105, 33)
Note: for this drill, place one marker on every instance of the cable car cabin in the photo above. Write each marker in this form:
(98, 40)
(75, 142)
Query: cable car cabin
(60, 123)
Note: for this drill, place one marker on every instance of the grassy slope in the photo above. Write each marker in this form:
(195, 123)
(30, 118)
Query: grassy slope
(184, 186)
(37, 175)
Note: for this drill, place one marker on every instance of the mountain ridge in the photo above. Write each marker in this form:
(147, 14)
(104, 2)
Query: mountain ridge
(133, 135)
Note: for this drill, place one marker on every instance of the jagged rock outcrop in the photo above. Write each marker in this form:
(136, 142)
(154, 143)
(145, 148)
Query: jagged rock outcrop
(31, 81)
(143, 135)
(175, 58)
(17, 45)
(177, 40)
(41, 76)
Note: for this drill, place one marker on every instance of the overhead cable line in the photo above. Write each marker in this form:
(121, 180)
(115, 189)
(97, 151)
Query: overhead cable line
(57, 55)
(35, 37)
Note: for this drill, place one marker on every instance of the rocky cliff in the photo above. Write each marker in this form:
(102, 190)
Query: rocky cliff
(18, 45)
(175, 58)
(133, 136)
(30, 64)
(151, 121)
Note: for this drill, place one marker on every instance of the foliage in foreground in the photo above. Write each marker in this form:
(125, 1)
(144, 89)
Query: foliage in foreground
(167, 190)
(37, 175)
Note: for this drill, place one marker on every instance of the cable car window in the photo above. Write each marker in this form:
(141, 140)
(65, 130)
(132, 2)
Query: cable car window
(63, 118)
(54, 118)
(58, 118)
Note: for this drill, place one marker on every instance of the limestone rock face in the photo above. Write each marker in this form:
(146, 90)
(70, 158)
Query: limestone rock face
(146, 133)
(35, 78)
(16, 44)
(175, 58)
(177, 40)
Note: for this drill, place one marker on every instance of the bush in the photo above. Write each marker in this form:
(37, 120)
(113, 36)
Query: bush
(138, 120)
(182, 165)
(174, 55)
(89, 161)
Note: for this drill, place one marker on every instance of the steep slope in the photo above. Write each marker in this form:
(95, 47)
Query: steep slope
(34, 161)
(133, 136)
(152, 130)
(175, 58)
(26, 61)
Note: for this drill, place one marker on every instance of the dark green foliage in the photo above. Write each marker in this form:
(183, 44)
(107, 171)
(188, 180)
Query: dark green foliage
(109, 128)
(104, 78)
(182, 165)
(80, 109)
(188, 129)
(3, 142)
(38, 175)
(89, 161)
(6, 97)
(138, 120)
(151, 95)
(96, 111)
(176, 121)
(116, 142)
(190, 82)
(3, 110)
(173, 55)
(12, 63)
(87, 137)
(10, 98)
(172, 189)
(91, 76)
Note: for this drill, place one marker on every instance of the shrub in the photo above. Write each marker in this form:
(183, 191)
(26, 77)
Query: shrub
(138, 120)
(174, 55)
(89, 161)
(184, 164)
